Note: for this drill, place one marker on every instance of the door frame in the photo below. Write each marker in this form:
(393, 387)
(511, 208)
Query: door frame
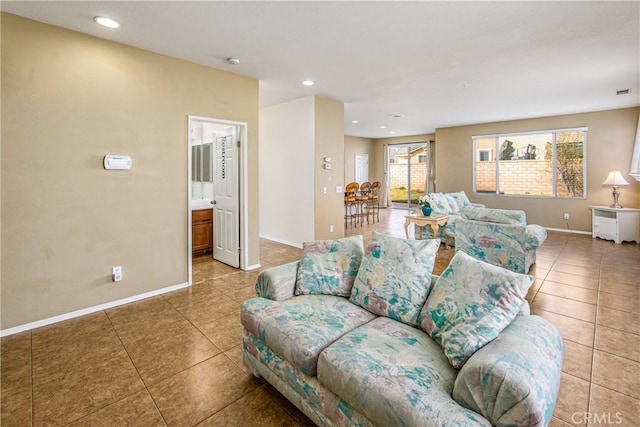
(407, 204)
(243, 193)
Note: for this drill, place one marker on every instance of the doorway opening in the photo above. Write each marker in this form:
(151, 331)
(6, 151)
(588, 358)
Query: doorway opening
(408, 173)
(217, 187)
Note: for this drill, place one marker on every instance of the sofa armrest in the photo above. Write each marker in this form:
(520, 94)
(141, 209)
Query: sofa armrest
(536, 235)
(277, 283)
(514, 380)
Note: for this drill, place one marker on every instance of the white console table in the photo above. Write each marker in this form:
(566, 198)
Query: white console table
(616, 224)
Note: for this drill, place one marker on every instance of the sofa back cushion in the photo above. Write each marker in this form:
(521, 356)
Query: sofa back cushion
(498, 244)
(470, 304)
(395, 277)
(461, 199)
(501, 216)
(443, 203)
(329, 267)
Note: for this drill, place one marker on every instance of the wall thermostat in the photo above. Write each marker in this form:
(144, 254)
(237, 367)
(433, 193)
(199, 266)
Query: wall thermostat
(112, 161)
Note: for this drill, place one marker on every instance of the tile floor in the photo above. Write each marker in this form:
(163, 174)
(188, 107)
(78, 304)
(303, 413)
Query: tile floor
(176, 359)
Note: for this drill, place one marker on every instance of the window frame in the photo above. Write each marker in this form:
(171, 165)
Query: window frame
(554, 182)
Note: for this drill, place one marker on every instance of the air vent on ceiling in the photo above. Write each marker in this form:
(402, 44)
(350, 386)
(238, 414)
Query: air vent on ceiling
(623, 91)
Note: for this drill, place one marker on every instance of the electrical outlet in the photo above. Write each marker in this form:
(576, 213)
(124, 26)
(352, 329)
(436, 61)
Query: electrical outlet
(566, 216)
(116, 274)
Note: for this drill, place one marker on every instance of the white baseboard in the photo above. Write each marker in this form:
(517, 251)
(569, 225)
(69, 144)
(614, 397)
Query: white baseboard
(253, 267)
(564, 230)
(89, 310)
(284, 242)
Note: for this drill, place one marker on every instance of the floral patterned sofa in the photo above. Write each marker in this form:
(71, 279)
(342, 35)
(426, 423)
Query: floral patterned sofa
(355, 338)
(499, 237)
(450, 204)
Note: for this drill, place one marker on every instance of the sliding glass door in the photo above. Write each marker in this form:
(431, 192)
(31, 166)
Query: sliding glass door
(407, 173)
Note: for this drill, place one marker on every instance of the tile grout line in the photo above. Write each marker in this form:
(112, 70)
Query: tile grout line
(146, 387)
(595, 334)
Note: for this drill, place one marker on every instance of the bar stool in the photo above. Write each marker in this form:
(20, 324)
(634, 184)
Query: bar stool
(363, 201)
(350, 202)
(374, 201)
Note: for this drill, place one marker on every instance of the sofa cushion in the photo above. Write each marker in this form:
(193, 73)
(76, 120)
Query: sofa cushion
(394, 374)
(470, 304)
(514, 380)
(329, 267)
(500, 216)
(395, 277)
(301, 327)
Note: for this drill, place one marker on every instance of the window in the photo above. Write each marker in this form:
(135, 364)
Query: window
(422, 158)
(484, 155)
(543, 164)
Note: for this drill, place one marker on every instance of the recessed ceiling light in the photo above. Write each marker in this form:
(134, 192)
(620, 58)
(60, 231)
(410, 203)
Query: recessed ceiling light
(354, 121)
(233, 61)
(392, 132)
(383, 127)
(308, 83)
(107, 22)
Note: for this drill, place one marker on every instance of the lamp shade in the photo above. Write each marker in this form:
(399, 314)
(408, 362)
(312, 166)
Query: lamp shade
(615, 178)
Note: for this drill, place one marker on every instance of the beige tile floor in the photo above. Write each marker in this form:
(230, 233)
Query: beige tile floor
(176, 359)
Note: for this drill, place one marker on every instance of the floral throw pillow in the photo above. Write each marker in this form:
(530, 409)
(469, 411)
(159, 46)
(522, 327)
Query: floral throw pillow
(329, 267)
(470, 304)
(395, 277)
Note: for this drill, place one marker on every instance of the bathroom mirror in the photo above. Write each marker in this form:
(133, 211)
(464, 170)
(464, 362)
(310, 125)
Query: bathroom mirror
(201, 161)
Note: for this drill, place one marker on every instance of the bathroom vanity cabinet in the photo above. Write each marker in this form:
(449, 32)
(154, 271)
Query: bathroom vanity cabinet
(202, 231)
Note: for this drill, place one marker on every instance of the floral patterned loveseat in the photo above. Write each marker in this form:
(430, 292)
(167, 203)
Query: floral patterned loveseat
(499, 237)
(364, 338)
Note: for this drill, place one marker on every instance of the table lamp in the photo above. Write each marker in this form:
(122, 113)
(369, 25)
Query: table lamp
(616, 180)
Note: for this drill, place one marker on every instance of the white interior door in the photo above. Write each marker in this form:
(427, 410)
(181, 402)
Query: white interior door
(362, 168)
(226, 218)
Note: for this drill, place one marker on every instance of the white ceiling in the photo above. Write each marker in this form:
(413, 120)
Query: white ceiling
(437, 63)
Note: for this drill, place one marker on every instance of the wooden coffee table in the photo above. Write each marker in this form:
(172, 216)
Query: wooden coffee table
(433, 221)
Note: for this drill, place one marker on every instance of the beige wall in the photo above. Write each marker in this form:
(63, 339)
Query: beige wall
(67, 100)
(356, 145)
(329, 132)
(287, 181)
(609, 146)
(295, 137)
